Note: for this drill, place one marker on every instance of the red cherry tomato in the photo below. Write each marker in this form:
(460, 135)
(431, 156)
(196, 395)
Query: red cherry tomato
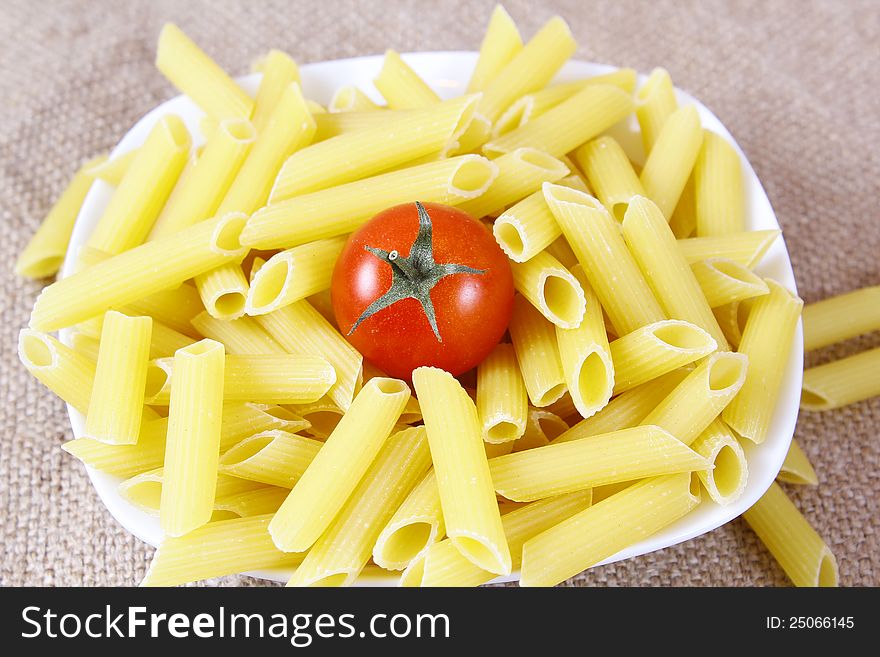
(413, 261)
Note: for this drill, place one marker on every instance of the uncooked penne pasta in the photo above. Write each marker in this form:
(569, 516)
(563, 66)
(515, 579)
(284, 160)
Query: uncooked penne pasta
(701, 396)
(68, 374)
(727, 479)
(527, 228)
(113, 170)
(342, 209)
(216, 549)
(273, 457)
(401, 86)
(144, 491)
(797, 469)
(117, 401)
(655, 104)
(610, 173)
(223, 291)
(242, 336)
(340, 123)
(745, 248)
(542, 427)
(192, 447)
(732, 319)
(683, 221)
(654, 248)
(293, 274)
(719, 193)
(568, 125)
(672, 158)
(195, 74)
(610, 268)
(604, 529)
(322, 416)
(414, 527)
(328, 482)
(502, 402)
(534, 341)
(460, 465)
(501, 43)
(551, 288)
(45, 251)
(351, 99)
(255, 502)
(822, 325)
(725, 281)
(801, 552)
(341, 553)
(841, 382)
(278, 70)
(656, 349)
(565, 467)
(767, 341)
(586, 356)
(137, 273)
(137, 202)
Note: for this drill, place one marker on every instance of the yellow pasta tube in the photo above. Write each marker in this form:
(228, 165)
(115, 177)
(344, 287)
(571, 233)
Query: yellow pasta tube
(241, 336)
(322, 416)
(586, 356)
(293, 274)
(801, 552)
(218, 548)
(725, 281)
(611, 270)
(683, 221)
(502, 403)
(255, 502)
(401, 86)
(543, 426)
(300, 329)
(727, 479)
(267, 378)
(701, 396)
(719, 194)
(444, 566)
(342, 209)
(68, 374)
(822, 325)
(346, 455)
(745, 249)
(530, 69)
(341, 553)
(414, 527)
(340, 123)
(192, 446)
(655, 104)
(551, 288)
(117, 399)
(351, 99)
(501, 43)
(610, 174)
(568, 125)
(602, 530)
(198, 194)
(534, 341)
(732, 319)
(841, 382)
(146, 269)
(271, 457)
(627, 410)
(766, 341)
(373, 150)
(527, 228)
(223, 291)
(654, 248)
(672, 158)
(137, 202)
(278, 70)
(45, 251)
(565, 467)
(797, 469)
(86, 345)
(656, 349)
(195, 74)
(112, 171)
(466, 494)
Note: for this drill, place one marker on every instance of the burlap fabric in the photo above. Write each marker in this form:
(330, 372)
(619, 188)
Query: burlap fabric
(796, 83)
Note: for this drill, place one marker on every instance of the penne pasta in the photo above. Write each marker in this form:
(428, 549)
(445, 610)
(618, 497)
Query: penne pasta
(313, 503)
(401, 86)
(527, 228)
(655, 104)
(351, 99)
(223, 291)
(242, 336)
(610, 173)
(719, 194)
(501, 43)
(841, 382)
(550, 288)
(727, 479)
(340, 123)
(732, 319)
(255, 502)
(766, 340)
(609, 267)
(725, 281)
(502, 402)
(822, 325)
(113, 170)
(44, 253)
(683, 222)
(279, 71)
(745, 249)
(537, 352)
(68, 374)
(542, 427)
(85, 345)
(342, 209)
(273, 457)
(466, 494)
(797, 469)
(801, 552)
(602, 530)
(322, 416)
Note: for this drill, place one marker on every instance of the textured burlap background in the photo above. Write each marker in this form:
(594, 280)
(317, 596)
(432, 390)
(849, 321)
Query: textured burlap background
(796, 82)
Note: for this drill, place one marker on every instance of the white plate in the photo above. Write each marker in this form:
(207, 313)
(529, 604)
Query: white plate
(448, 73)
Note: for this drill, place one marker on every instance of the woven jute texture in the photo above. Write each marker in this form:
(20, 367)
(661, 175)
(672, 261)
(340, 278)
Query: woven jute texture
(795, 82)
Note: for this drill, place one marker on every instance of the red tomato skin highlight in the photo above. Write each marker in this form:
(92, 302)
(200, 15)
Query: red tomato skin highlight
(472, 310)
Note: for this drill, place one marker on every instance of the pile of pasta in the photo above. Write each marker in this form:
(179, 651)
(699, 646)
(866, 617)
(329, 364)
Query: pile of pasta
(643, 351)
